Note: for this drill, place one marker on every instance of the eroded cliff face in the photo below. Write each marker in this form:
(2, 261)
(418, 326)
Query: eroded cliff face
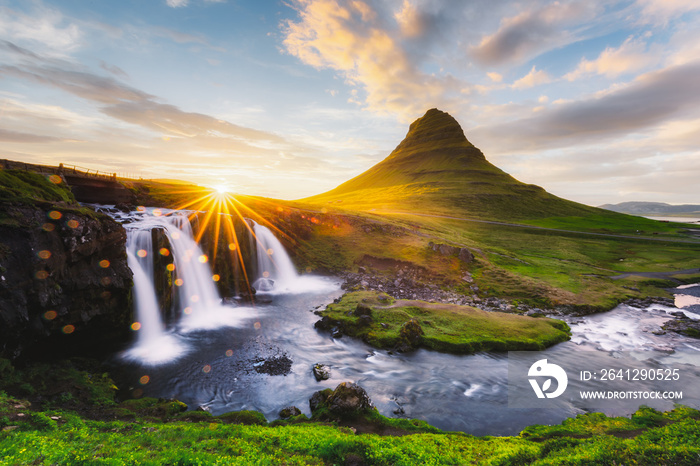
(64, 280)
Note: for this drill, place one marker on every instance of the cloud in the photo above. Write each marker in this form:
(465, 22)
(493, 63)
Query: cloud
(44, 28)
(78, 82)
(532, 79)
(630, 57)
(184, 3)
(662, 11)
(15, 136)
(649, 100)
(531, 32)
(176, 3)
(128, 104)
(169, 119)
(495, 77)
(352, 38)
(410, 20)
(177, 36)
(115, 70)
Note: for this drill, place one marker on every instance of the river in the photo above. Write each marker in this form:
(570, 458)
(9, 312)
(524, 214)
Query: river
(219, 360)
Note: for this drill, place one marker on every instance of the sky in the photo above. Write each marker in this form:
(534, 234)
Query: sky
(597, 101)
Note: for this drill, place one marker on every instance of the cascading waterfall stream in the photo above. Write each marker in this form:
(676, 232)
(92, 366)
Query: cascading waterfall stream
(139, 252)
(200, 305)
(275, 269)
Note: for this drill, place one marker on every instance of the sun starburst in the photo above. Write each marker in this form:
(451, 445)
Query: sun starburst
(218, 209)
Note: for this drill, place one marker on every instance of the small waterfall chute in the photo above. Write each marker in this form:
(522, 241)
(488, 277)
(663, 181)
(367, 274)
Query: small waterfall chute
(276, 271)
(275, 268)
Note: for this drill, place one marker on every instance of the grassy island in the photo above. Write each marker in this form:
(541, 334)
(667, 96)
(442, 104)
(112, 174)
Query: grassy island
(384, 322)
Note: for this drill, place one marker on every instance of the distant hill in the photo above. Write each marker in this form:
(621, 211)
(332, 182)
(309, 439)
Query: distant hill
(436, 170)
(653, 208)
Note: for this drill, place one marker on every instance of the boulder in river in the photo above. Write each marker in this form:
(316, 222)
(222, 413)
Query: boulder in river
(321, 371)
(290, 411)
(348, 398)
(410, 336)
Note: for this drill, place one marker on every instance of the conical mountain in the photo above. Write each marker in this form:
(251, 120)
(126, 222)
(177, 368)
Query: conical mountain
(436, 170)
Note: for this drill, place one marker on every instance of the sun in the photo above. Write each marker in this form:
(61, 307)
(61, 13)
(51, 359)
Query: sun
(221, 189)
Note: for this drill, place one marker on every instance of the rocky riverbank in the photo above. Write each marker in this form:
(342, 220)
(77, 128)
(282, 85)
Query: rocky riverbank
(409, 283)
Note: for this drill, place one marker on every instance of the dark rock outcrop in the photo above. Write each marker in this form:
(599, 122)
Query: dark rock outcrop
(464, 254)
(321, 372)
(290, 411)
(683, 325)
(64, 279)
(347, 399)
(410, 336)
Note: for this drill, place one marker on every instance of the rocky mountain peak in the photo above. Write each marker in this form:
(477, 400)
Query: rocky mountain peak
(437, 126)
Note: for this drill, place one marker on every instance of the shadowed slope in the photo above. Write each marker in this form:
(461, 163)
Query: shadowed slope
(435, 169)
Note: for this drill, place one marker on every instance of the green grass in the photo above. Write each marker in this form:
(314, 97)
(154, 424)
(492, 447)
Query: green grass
(446, 327)
(21, 187)
(63, 437)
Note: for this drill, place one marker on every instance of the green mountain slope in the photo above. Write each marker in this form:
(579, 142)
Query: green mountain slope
(435, 169)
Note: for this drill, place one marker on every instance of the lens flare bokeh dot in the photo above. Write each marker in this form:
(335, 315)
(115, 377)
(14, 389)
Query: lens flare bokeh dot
(104, 263)
(55, 215)
(68, 329)
(144, 380)
(50, 315)
(44, 254)
(206, 369)
(136, 326)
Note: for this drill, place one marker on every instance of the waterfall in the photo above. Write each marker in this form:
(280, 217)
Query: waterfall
(199, 301)
(275, 269)
(196, 290)
(139, 255)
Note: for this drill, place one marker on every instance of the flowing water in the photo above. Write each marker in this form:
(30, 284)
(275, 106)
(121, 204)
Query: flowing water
(219, 361)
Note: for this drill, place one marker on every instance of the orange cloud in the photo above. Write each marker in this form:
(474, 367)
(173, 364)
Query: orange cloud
(349, 37)
(532, 79)
(629, 57)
